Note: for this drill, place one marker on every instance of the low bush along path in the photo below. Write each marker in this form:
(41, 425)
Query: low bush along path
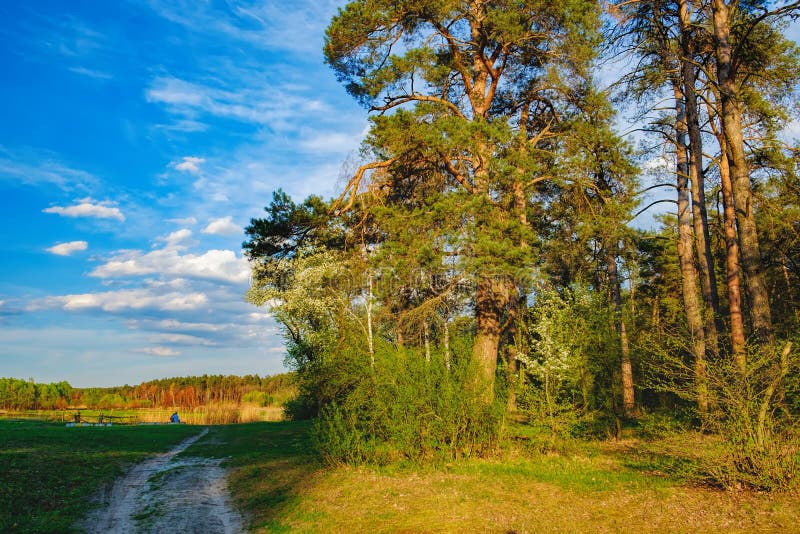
(168, 493)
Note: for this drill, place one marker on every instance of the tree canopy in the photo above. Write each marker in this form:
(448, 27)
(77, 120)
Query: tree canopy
(481, 258)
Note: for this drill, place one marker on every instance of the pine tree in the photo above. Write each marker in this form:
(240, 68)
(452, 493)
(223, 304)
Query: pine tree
(454, 84)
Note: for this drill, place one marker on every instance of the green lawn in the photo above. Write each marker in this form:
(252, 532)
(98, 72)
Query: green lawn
(49, 473)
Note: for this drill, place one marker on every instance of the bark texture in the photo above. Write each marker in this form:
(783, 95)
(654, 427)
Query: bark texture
(686, 258)
(626, 368)
(702, 238)
(731, 115)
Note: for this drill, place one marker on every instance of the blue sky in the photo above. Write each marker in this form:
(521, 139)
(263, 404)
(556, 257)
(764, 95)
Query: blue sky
(137, 139)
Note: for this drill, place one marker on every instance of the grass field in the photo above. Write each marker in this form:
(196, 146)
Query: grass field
(48, 473)
(593, 487)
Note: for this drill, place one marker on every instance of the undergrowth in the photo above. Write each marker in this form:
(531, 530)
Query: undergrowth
(407, 408)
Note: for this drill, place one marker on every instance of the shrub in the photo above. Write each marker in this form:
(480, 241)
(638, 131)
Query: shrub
(566, 348)
(259, 398)
(750, 412)
(408, 409)
(110, 400)
(654, 426)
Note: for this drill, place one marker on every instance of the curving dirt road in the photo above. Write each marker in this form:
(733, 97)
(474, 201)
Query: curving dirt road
(165, 494)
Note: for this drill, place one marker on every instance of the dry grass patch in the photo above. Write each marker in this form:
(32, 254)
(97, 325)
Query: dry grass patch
(602, 487)
(213, 414)
(362, 500)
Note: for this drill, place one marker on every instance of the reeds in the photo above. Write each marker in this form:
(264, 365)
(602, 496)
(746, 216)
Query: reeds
(214, 414)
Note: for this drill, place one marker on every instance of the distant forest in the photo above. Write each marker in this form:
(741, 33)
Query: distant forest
(183, 392)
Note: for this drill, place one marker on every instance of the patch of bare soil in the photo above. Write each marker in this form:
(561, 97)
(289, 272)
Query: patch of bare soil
(166, 494)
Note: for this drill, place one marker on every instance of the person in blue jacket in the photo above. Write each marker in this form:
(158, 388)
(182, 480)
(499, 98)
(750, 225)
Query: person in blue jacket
(174, 418)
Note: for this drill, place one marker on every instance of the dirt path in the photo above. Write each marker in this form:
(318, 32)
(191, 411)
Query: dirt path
(164, 494)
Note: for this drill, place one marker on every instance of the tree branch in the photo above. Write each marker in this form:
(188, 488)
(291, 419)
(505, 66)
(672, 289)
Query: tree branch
(456, 51)
(653, 204)
(355, 183)
(398, 100)
(460, 178)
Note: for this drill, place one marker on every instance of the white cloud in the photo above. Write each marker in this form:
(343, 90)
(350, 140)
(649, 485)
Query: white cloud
(233, 329)
(331, 142)
(160, 351)
(183, 126)
(223, 226)
(88, 208)
(658, 164)
(248, 176)
(65, 249)
(73, 38)
(128, 299)
(189, 164)
(172, 324)
(251, 102)
(181, 339)
(174, 284)
(35, 167)
(791, 132)
(267, 25)
(185, 221)
(174, 239)
(222, 265)
(96, 74)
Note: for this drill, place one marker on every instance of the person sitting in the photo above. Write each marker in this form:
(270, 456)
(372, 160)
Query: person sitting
(174, 418)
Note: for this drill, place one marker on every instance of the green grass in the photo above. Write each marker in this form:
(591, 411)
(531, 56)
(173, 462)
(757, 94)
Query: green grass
(584, 487)
(281, 486)
(584, 474)
(49, 473)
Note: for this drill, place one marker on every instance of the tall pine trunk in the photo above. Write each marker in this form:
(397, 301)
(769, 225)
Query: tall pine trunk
(732, 262)
(702, 239)
(489, 303)
(730, 113)
(626, 369)
(447, 342)
(370, 342)
(685, 247)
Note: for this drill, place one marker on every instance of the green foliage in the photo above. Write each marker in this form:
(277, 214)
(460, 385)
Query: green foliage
(18, 394)
(565, 347)
(492, 164)
(260, 398)
(360, 41)
(659, 425)
(761, 445)
(111, 400)
(408, 409)
(751, 414)
(289, 227)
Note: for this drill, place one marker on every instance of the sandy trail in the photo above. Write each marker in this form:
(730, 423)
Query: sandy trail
(164, 494)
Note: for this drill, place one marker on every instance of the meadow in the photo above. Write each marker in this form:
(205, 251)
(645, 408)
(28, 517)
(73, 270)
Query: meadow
(614, 486)
(49, 474)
